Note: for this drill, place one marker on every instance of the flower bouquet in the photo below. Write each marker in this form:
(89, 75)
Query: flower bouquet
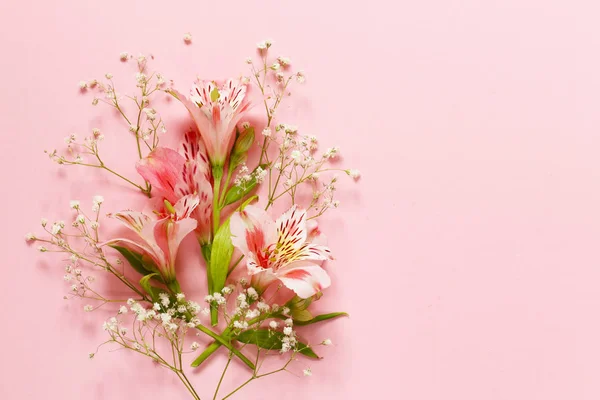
(263, 271)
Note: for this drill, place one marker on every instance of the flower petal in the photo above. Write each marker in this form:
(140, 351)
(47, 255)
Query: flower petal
(186, 205)
(252, 230)
(291, 229)
(292, 239)
(144, 226)
(304, 278)
(163, 168)
(134, 220)
(200, 119)
(169, 234)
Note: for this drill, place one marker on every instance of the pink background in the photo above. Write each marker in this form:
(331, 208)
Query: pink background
(467, 256)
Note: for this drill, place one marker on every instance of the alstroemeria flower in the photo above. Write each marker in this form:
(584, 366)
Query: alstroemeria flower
(174, 176)
(160, 237)
(279, 250)
(216, 109)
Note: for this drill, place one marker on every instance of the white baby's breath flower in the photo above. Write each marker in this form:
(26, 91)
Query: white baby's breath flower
(240, 325)
(124, 56)
(98, 199)
(195, 346)
(88, 308)
(252, 293)
(326, 342)
(264, 307)
(353, 173)
(83, 85)
(227, 290)
(284, 61)
(123, 310)
(273, 325)
(187, 38)
(307, 372)
(74, 204)
(29, 237)
(56, 228)
(288, 331)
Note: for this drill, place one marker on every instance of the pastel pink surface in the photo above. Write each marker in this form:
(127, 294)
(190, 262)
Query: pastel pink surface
(467, 256)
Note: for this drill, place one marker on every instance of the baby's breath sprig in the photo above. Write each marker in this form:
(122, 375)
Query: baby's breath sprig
(294, 161)
(146, 125)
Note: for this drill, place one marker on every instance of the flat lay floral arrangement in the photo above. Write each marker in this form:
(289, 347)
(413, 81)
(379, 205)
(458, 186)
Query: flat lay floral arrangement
(263, 269)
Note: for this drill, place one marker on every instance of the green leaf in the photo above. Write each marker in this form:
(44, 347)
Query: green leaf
(134, 259)
(248, 201)
(299, 308)
(236, 193)
(151, 290)
(301, 315)
(271, 340)
(306, 351)
(263, 338)
(319, 318)
(218, 266)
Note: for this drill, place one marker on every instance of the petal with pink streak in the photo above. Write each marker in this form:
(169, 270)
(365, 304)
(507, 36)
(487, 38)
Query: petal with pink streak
(134, 220)
(194, 150)
(252, 230)
(168, 235)
(142, 246)
(304, 278)
(262, 280)
(200, 119)
(163, 168)
(186, 206)
(314, 233)
(291, 228)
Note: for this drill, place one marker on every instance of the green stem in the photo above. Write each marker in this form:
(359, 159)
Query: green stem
(227, 180)
(217, 171)
(214, 346)
(223, 342)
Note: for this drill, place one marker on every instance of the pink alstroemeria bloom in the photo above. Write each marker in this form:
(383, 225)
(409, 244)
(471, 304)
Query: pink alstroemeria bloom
(174, 176)
(216, 119)
(160, 237)
(278, 250)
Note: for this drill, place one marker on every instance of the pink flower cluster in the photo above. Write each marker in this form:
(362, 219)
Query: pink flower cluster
(206, 187)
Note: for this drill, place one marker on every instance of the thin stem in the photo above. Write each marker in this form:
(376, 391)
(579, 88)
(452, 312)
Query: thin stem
(222, 376)
(253, 377)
